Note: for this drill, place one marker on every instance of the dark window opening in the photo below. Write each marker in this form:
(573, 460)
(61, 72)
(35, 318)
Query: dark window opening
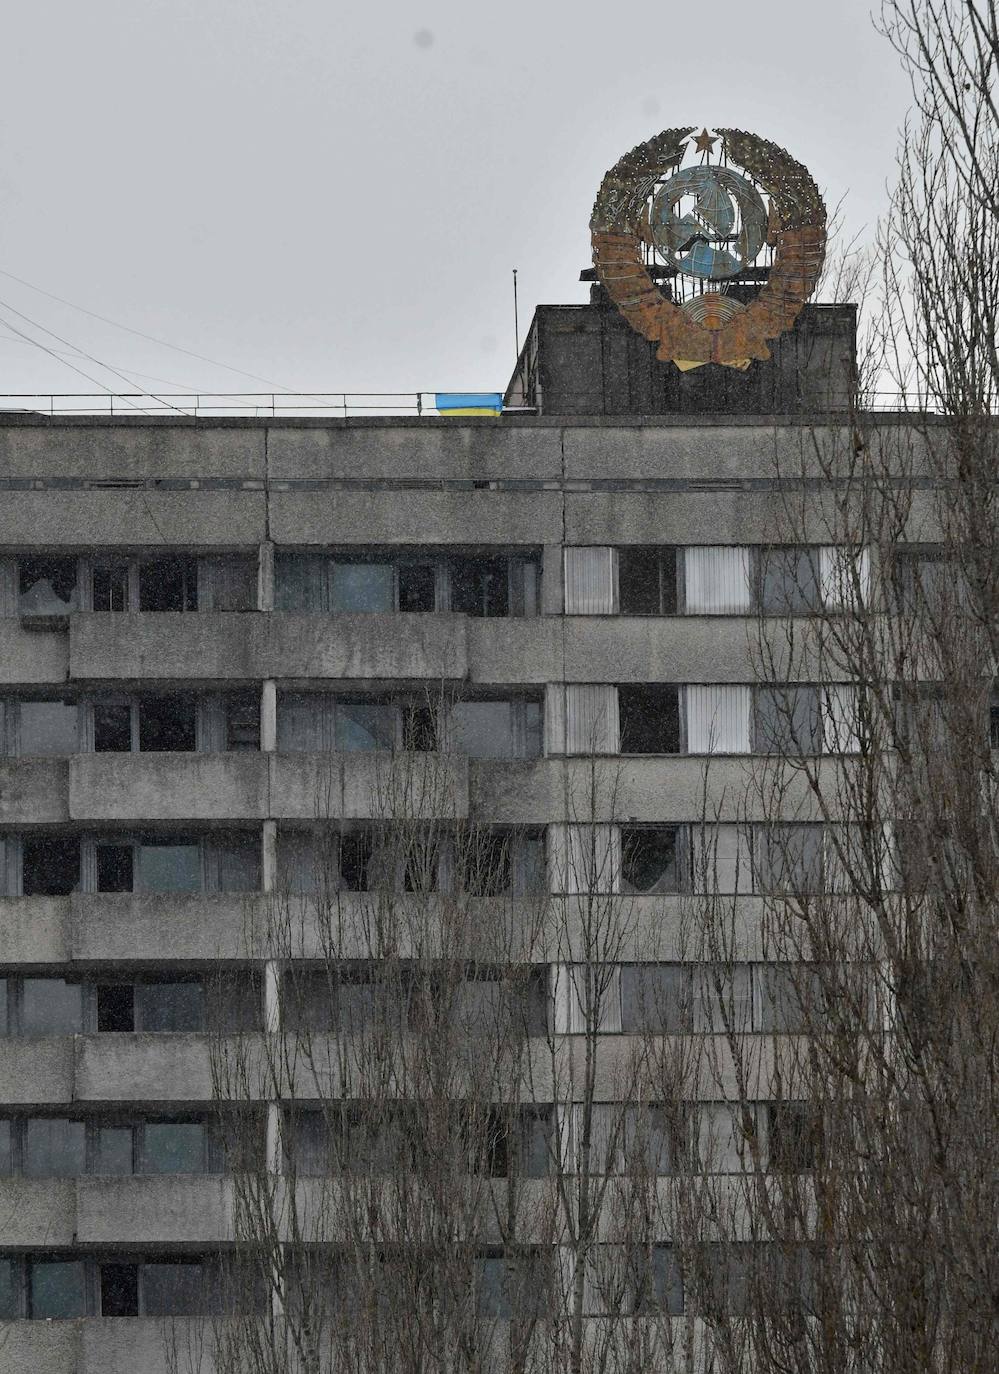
(483, 863)
(110, 587)
(357, 861)
(47, 586)
(112, 727)
(242, 722)
(650, 859)
(480, 586)
(649, 719)
(794, 1136)
(119, 1290)
(116, 1007)
(417, 587)
(115, 868)
(50, 866)
(647, 581)
(168, 584)
(419, 727)
(167, 724)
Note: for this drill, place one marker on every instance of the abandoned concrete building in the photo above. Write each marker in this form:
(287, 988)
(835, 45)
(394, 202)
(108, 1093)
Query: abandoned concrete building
(204, 620)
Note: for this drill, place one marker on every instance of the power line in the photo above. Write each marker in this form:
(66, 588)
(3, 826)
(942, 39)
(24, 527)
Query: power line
(130, 371)
(90, 358)
(150, 338)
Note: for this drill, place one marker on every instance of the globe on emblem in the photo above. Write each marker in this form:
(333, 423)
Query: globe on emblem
(708, 222)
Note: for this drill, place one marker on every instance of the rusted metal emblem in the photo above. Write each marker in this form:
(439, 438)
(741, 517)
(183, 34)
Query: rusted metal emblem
(709, 259)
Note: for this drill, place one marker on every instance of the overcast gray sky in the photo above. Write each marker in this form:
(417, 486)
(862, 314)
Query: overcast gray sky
(333, 196)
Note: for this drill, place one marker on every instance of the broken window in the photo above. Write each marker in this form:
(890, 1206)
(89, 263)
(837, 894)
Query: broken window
(647, 581)
(167, 724)
(47, 586)
(112, 727)
(111, 586)
(242, 718)
(119, 1289)
(115, 868)
(650, 859)
(168, 584)
(479, 586)
(364, 726)
(649, 719)
(417, 587)
(50, 865)
(47, 729)
(116, 1007)
(502, 728)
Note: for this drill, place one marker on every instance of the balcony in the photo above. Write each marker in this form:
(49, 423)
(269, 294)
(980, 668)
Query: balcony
(368, 785)
(231, 647)
(167, 787)
(176, 1209)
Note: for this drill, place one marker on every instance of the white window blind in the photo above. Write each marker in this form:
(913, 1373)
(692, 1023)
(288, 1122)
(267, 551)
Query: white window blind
(838, 704)
(718, 719)
(716, 580)
(581, 718)
(722, 860)
(584, 858)
(590, 581)
(844, 576)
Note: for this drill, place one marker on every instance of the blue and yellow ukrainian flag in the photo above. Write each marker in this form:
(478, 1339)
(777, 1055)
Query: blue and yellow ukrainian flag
(468, 402)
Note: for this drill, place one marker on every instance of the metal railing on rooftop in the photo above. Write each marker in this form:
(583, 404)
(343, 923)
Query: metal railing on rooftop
(335, 404)
(321, 405)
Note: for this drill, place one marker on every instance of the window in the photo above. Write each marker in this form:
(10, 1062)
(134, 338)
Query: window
(518, 1285)
(791, 997)
(317, 722)
(50, 865)
(169, 866)
(174, 582)
(727, 1134)
(723, 999)
(515, 1141)
(362, 587)
(789, 582)
(112, 727)
(56, 1289)
(656, 1284)
(346, 998)
(221, 1002)
(242, 719)
(497, 729)
(647, 581)
(47, 586)
(119, 1290)
(787, 720)
(168, 584)
(651, 859)
(387, 580)
(54, 1148)
(794, 1133)
(47, 728)
(656, 999)
(179, 1145)
(51, 1006)
(167, 724)
(649, 718)
(173, 1147)
(789, 858)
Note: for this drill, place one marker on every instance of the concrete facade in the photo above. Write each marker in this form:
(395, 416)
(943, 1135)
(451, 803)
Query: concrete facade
(586, 472)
